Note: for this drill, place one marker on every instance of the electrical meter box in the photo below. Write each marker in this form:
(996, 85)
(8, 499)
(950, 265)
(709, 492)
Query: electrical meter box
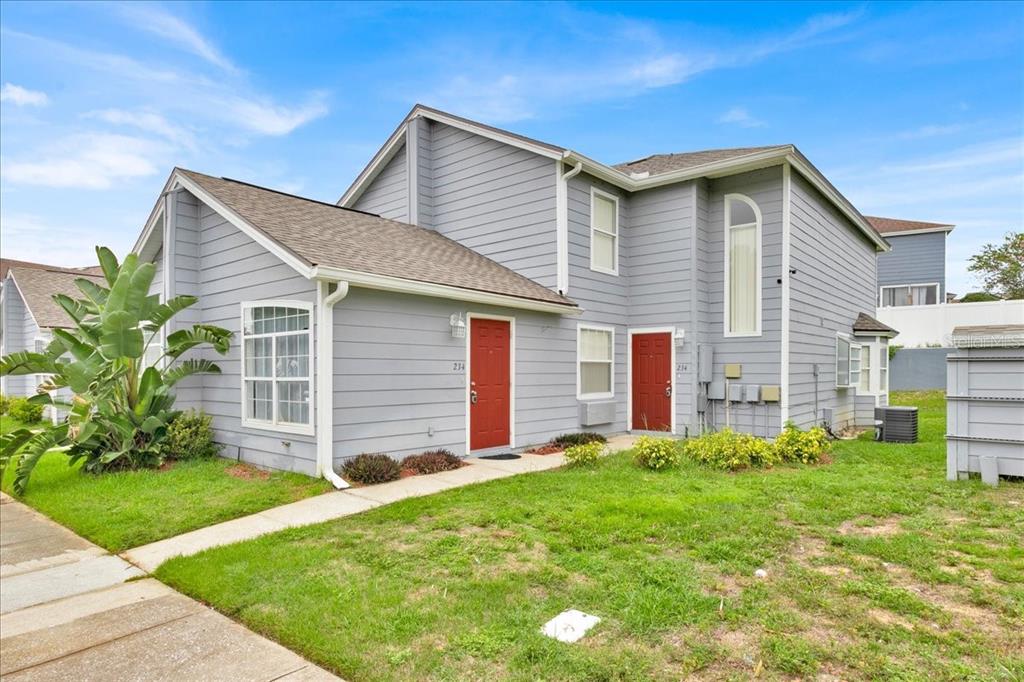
(716, 390)
(733, 371)
(736, 393)
(705, 363)
(753, 393)
(770, 394)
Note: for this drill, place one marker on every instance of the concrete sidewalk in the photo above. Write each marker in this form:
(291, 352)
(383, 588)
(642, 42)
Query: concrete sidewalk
(334, 505)
(71, 611)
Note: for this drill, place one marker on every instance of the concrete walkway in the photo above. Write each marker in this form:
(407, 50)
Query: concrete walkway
(334, 505)
(71, 611)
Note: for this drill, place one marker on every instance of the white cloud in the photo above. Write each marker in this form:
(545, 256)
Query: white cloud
(741, 117)
(22, 97)
(156, 20)
(267, 118)
(621, 64)
(43, 241)
(146, 121)
(87, 161)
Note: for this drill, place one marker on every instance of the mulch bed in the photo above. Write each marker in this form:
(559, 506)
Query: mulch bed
(548, 449)
(247, 472)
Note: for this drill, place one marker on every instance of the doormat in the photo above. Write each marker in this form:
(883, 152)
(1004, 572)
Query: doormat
(504, 455)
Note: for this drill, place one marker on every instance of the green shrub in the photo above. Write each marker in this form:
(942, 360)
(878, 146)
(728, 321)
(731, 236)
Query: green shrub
(190, 436)
(794, 445)
(5, 403)
(371, 468)
(431, 462)
(656, 453)
(24, 411)
(584, 454)
(581, 438)
(729, 450)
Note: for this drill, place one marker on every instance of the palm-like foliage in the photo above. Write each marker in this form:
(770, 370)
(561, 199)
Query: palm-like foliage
(120, 407)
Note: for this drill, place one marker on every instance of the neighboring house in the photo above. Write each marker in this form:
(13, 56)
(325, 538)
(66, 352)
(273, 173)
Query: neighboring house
(477, 290)
(28, 313)
(914, 271)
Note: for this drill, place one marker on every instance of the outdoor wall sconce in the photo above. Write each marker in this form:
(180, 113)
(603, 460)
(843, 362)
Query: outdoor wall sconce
(458, 326)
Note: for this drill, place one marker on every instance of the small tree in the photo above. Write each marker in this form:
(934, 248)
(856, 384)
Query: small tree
(1002, 267)
(121, 408)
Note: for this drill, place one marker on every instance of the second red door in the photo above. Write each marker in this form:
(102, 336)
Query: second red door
(489, 383)
(652, 382)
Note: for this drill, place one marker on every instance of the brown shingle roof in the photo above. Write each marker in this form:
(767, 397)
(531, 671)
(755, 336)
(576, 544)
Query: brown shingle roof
(895, 225)
(38, 286)
(332, 236)
(867, 324)
(664, 163)
(8, 263)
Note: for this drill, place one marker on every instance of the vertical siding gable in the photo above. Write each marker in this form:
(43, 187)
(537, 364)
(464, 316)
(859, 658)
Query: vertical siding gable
(20, 332)
(388, 193)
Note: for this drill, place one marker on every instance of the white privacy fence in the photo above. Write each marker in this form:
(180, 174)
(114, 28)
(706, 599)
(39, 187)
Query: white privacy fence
(924, 325)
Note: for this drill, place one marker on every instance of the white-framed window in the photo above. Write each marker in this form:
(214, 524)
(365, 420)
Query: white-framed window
(604, 232)
(843, 348)
(595, 353)
(742, 266)
(277, 365)
(865, 369)
(855, 349)
(908, 294)
(883, 369)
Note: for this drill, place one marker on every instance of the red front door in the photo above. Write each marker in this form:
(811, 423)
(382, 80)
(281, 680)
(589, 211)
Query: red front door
(652, 381)
(489, 383)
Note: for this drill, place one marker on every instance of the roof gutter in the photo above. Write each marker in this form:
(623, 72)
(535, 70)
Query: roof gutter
(408, 286)
(325, 380)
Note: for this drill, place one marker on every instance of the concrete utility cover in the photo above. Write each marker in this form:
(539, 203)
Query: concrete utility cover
(569, 626)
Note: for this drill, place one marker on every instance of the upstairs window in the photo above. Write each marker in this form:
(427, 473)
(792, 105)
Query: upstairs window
(595, 356)
(277, 384)
(742, 266)
(911, 294)
(604, 232)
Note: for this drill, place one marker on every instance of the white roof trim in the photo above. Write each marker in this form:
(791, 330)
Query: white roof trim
(408, 286)
(923, 230)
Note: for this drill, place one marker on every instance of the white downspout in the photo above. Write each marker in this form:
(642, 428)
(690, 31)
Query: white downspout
(562, 225)
(325, 381)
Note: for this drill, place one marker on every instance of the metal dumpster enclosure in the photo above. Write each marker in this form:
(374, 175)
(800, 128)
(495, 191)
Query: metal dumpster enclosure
(985, 403)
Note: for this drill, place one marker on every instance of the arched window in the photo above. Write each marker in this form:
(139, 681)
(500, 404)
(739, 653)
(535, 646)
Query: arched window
(742, 266)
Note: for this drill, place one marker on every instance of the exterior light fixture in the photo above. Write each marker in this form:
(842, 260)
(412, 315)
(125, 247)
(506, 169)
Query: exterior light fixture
(458, 326)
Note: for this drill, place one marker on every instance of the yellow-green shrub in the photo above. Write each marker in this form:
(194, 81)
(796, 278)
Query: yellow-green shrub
(656, 453)
(727, 449)
(794, 445)
(584, 454)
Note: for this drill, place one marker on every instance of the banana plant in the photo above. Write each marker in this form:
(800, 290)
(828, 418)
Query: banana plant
(120, 408)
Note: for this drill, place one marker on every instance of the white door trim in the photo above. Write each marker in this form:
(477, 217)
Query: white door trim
(511, 373)
(671, 331)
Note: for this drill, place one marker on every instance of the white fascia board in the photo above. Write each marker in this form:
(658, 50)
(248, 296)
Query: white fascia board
(484, 131)
(924, 230)
(272, 245)
(408, 286)
(376, 165)
(158, 208)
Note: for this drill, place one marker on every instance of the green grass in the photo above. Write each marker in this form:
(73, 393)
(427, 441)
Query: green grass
(8, 424)
(122, 510)
(878, 568)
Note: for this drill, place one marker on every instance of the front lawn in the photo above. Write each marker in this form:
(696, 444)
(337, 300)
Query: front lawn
(122, 510)
(877, 568)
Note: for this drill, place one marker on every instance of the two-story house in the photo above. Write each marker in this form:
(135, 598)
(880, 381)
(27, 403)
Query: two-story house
(478, 290)
(913, 272)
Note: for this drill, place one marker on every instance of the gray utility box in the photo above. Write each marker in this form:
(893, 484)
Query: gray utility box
(985, 403)
(592, 414)
(899, 424)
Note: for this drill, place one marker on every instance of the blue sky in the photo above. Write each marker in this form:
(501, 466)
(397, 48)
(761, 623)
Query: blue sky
(912, 110)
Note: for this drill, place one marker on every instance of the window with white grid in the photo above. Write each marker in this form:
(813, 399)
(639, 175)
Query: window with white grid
(277, 360)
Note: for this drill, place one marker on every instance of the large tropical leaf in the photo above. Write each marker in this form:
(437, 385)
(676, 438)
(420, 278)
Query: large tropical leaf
(117, 301)
(108, 263)
(75, 309)
(184, 340)
(26, 362)
(188, 368)
(96, 294)
(72, 344)
(121, 337)
(159, 316)
(31, 452)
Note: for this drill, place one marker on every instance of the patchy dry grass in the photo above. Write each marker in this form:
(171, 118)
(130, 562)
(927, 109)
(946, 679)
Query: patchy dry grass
(878, 568)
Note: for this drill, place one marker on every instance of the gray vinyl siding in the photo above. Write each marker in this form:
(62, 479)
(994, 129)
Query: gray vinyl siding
(603, 297)
(760, 357)
(914, 259)
(400, 377)
(496, 199)
(388, 193)
(20, 332)
(660, 246)
(185, 264)
(835, 274)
